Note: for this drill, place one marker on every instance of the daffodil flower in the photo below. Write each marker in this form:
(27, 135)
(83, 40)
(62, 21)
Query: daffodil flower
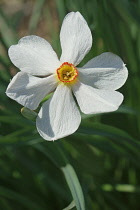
(42, 72)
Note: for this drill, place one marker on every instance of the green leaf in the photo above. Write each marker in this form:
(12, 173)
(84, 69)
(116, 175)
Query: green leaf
(15, 119)
(14, 136)
(128, 110)
(9, 36)
(10, 194)
(74, 186)
(109, 131)
(5, 204)
(55, 148)
(121, 188)
(56, 154)
(37, 9)
(70, 206)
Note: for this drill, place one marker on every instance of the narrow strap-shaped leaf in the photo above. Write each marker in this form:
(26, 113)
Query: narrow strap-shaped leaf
(60, 160)
(70, 206)
(74, 186)
(12, 195)
(121, 188)
(37, 9)
(8, 35)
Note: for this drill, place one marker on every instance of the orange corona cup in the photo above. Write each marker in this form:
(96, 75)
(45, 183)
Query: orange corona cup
(67, 72)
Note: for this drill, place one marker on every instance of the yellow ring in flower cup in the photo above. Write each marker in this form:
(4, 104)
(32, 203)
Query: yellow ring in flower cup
(67, 73)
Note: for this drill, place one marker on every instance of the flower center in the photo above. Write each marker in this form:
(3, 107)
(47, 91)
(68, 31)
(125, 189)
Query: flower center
(67, 72)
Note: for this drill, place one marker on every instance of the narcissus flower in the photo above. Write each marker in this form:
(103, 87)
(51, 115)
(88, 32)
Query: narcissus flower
(93, 85)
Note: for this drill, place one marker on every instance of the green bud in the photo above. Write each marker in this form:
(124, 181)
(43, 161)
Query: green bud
(29, 114)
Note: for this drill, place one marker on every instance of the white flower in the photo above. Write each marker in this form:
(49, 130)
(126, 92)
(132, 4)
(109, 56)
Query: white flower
(93, 85)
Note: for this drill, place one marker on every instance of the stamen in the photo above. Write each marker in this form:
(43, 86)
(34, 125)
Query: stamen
(67, 72)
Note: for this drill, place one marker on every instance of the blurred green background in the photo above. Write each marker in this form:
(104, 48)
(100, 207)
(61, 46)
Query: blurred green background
(98, 167)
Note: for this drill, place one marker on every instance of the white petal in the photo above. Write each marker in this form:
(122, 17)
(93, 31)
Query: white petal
(93, 101)
(28, 90)
(75, 37)
(106, 71)
(59, 116)
(34, 55)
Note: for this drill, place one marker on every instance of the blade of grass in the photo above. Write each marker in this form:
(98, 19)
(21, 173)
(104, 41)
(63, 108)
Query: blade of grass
(70, 206)
(34, 20)
(74, 186)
